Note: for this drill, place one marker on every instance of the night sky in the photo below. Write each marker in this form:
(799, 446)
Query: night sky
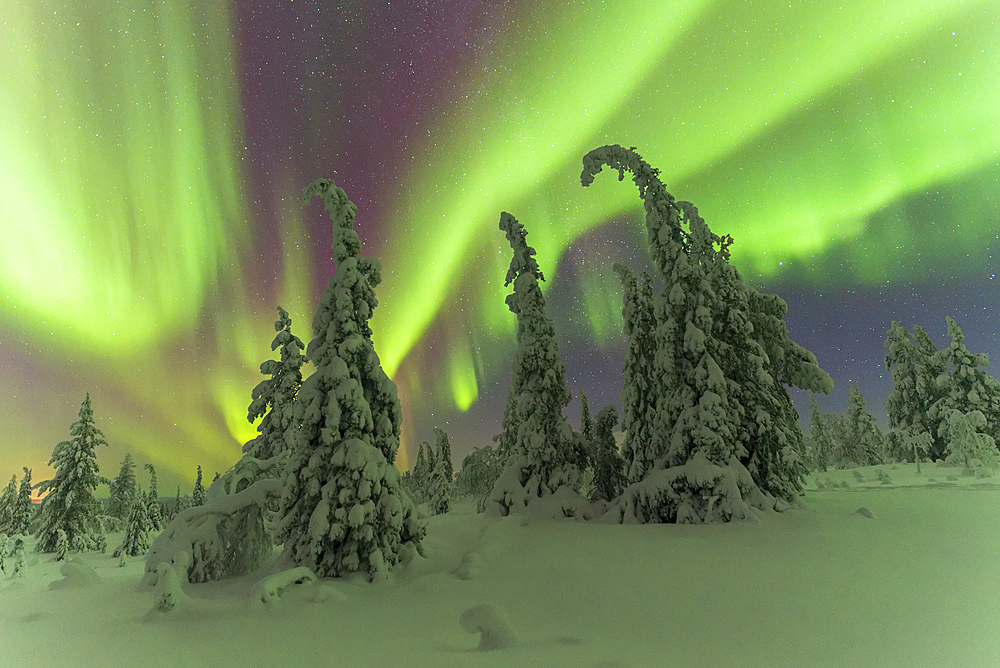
(153, 156)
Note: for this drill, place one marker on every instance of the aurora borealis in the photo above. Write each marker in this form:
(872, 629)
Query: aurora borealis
(153, 156)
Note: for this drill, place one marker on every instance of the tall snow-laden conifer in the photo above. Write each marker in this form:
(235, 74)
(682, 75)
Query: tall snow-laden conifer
(722, 357)
(914, 365)
(7, 505)
(608, 463)
(965, 385)
(443, 448)
(586, 421)
(23, 508)
(343, 508)
(70, 506)
(862, 441)
(153, 501)
(124, 490)
(198, 493)
(546, 451)
(273, 399)
(640, 387)
(135, 540)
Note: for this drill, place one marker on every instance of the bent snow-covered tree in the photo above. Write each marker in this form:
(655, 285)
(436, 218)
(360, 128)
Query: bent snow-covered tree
(730, 437)
(547, 453)
(343, 508)
(225, 533)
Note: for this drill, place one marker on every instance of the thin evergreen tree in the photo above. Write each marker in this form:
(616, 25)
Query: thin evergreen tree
(609, 465)
(198, 493)
(153, 501)
(439, 481)
(914, 365)
(7, 501)
(547, 451)
(443, 453)
(821, 438)
(640, 388)
(422, 472)
(23, 508)
(124, 490)
(862, 441)
(70, 509)
(343, 508)
(273, 399)
(135, 540)
(586, 422)
(506, 440)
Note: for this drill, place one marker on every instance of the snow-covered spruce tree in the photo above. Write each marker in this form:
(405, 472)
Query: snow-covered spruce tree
(547, 452)
(640, 388)
(965, 386)
(438, 484)
(861, 441)
(442, 447)
(506, 440)
(343, 508)
(607, 461)
(20, 521)
(914, 365)
(586, 421)
(723, 358)
(273, 399)
(70, 506)
(821, 439)
(421, 475)
(198, 493)
(137, 529)
(7, 505)
(968, 447)
(225, 533)
(479, 472)
(153, 501)
(124, 490)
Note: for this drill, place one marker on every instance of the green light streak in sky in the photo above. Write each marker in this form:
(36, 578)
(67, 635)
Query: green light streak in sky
(788, 126)
(123, 225)
(118, 163)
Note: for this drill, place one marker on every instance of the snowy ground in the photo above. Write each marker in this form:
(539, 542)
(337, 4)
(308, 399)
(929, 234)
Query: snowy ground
(917, 584)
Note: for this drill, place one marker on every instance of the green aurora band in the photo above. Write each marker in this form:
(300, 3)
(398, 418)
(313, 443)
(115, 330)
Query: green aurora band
(803, 131)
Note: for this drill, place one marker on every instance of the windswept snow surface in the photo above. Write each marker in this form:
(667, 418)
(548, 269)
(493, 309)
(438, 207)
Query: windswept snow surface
(915, 584)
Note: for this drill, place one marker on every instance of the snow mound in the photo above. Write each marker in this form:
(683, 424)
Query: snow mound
(75, 574)
(494, 539)
(270, 589)
(491, 621)
(864, 512)
(169, 594)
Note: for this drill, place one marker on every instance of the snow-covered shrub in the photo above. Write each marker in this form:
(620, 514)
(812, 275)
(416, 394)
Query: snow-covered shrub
(696, 492)
(222, 538)
(480, 470)
(968, 447)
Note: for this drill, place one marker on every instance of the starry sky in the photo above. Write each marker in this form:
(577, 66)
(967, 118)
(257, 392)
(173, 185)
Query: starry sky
(153, 156)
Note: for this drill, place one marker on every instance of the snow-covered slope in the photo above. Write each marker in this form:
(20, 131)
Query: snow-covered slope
(915, 584)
